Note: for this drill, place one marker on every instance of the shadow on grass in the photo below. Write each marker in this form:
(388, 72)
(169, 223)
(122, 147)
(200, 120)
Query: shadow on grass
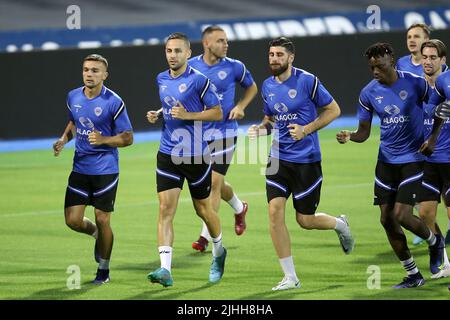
(62, 293)
(294, 294)
(160, 293)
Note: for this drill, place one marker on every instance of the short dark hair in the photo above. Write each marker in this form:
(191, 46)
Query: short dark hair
(423, 26)
(181, 36)
(378, 50)
(97, 57)
(283, 42)
(437, 44)
(211, 29)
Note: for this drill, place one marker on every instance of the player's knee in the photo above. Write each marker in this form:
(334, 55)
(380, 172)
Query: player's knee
(166, 208)
(74, 223)
(306, 222)
(102, 219)
(400, 215)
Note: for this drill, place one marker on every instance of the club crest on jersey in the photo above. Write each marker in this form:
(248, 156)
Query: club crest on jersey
(222, 74)
(281, 107)
(392, 109)
(98, 111)
(379, 99)
(292, 93)
(86, 122)
(182, 87)
(403, 94)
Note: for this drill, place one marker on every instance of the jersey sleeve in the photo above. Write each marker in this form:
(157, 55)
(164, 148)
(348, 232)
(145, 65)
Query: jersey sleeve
(69, 109)
(437, 95)
(423, 89)
(266, 108)
(242, 75)
(207, 92)
(365, 109)
(120, 117)
(319, 94)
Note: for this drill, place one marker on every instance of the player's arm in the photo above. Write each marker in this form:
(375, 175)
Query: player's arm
(238, 112)
(441, 113)
(122, 139)
(326, 114)
(68, 135)
(211, 114)
(262, 129)
(360, 135)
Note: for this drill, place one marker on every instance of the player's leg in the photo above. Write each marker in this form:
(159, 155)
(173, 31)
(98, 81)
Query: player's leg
(76, 199)
(387, 178)
(199, 178)
(447, 235)
(427, 212)
(169, 182)
(277, 192)
(410, 187)
(103, 199)
(398, 242)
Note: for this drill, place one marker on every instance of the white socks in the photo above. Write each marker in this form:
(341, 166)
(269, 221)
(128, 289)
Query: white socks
(287, 264)
(165, 255)
(410, 266)
(217, 249)
(431, 239)
(236, 204)
(205, 233)
(341, 226)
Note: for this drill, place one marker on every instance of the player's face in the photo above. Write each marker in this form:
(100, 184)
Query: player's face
(177, 53)
(217, 44)
(279, 60)
(94, 73)
(414, 39)
(430, 61)
(381, 67)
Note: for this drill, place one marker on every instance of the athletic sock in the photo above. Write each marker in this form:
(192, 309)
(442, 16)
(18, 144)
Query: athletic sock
(103, 264)
(341, 226)
(205, 233)
(217, 249)
(431, 239)
(287, 265)
(410, 266)
(165, 255)
(236, 204)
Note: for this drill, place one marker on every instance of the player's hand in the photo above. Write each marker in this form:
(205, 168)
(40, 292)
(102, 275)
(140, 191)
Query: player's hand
(296, 131)
(236, 113)
(95, 137)
(427, 148)
(253, 131)
(58, 146)
(152, 116)
(179, 112)
(343, 136)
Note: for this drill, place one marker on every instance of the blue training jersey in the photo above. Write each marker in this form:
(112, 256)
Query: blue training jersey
(399, 108)
(294, 101)
(440, 93)
(106, 113)
(405, 64)
(184, 138)
(224, 75)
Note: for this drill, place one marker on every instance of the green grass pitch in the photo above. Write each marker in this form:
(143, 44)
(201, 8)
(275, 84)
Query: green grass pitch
(36, 247)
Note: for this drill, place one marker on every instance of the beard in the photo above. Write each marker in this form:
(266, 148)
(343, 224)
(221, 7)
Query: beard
(279, 69)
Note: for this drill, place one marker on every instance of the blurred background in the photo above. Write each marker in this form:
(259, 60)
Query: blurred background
(43, 42)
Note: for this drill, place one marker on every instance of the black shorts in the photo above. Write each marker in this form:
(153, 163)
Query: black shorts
(435, 183)
(98, 191)
(170, 174)
(303, 180)
(397, 182)
(222, 151)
